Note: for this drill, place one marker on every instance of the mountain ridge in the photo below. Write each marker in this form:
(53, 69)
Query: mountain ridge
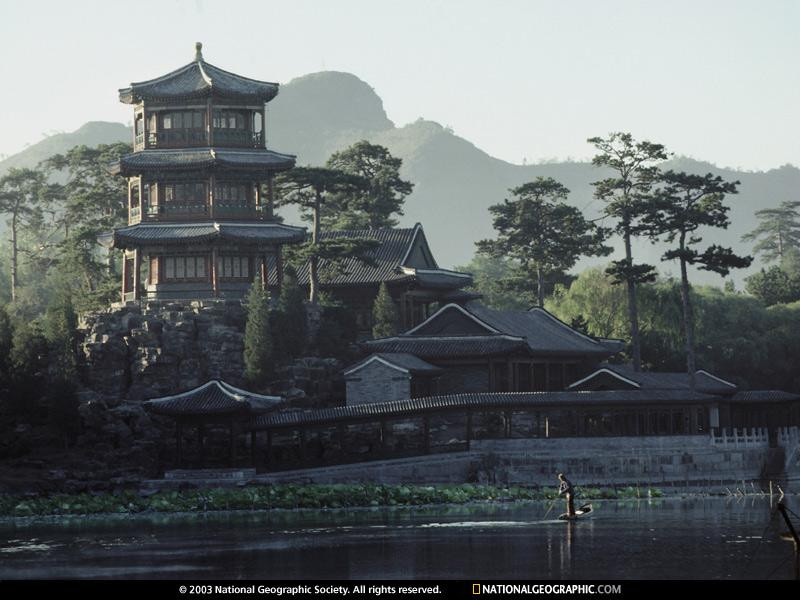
(455, 181)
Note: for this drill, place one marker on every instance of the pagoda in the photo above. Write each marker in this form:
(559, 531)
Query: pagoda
(200, 191)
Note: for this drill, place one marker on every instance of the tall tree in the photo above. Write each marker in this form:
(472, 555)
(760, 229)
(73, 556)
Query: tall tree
(290, 321)
(21, 199)
(375, 205)
(90, 202)
(777, 232)
(310, 188)
(627, 194)
(384, 314)
(683, 205)
(542, 233)
(257, 336)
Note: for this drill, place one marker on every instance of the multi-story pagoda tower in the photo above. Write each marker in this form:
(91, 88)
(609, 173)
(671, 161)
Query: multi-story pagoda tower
(200, 193)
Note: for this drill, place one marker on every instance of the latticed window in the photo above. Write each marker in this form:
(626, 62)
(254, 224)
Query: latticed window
(224, 119)
(194, 119)
(234, 267)
(233, 193)
(186, 268)
(184, 193)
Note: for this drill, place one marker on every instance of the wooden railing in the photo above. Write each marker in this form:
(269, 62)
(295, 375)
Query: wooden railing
(193, 138)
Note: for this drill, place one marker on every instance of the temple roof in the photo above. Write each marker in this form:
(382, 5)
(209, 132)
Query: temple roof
(400, 361)
(541, 331)
(488, 400)
(182, 233)
(202, 158)
(454, 346)
(403, 255)
(212, 398)
(626, 378)
(199, 79)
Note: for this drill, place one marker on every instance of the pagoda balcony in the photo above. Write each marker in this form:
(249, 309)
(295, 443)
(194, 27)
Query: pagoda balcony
(200, 212)
(238, 138)
(198, 138)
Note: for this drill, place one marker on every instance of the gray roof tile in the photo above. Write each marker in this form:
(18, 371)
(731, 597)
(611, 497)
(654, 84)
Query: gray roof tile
(199, 79)
(181, 233)
(212, 398)
(202, 158)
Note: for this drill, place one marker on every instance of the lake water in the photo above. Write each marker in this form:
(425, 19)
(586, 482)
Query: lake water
(698, 538)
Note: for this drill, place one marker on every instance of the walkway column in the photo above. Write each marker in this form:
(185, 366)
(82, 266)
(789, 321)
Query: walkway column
(179, 442)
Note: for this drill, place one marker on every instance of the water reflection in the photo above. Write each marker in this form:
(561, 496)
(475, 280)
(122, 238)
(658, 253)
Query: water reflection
(653, 538)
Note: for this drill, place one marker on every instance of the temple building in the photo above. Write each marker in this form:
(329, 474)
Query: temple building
(405, 263)
(200, 193)
(471, 348)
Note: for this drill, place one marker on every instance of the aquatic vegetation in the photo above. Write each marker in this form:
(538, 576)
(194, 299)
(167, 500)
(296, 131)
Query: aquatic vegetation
(287, 496)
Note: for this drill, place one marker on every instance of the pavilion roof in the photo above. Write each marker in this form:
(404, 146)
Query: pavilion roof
(212, 399)
(183, 233)
(392, 261)
(199, 79)
(187, 159)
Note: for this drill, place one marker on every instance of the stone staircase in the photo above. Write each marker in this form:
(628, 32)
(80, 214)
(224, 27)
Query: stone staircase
(201, 478)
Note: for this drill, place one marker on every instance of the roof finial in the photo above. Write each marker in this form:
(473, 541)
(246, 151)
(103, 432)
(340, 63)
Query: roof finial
(198, 51)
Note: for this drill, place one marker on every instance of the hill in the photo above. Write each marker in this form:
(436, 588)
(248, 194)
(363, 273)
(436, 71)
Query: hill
(455, 181)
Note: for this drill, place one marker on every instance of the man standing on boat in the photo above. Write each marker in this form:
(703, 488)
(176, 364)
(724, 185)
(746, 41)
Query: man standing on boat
(565, 488)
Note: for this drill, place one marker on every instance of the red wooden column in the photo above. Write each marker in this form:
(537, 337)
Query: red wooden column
(214, 272)
(137, 273)
(125, 275)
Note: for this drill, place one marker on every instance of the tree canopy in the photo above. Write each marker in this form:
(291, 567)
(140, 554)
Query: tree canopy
(778, 231)
(541, 233)
(375, 205)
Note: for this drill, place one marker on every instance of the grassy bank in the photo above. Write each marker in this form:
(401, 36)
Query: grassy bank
(285, 496)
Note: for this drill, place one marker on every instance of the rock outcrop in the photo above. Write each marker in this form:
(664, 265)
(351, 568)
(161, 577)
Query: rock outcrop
(136, 352)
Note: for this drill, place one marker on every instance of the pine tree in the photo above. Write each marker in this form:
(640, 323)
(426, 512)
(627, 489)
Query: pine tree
(6, 341)
(384, 314)
(778, 231)
(627, 195)
(257, 337)
(60, 325)
(685, 204)
(542, 234)
(290, 331)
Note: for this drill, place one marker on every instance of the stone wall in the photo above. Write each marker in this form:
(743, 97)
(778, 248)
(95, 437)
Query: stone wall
(377, 382)
(659, 461)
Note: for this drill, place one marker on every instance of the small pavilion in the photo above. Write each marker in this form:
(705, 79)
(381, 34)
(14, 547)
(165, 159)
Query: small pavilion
(214, 402)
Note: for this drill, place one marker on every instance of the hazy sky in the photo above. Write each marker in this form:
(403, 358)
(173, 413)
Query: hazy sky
(716, 80)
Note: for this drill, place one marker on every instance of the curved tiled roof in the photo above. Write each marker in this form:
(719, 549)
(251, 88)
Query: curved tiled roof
(212, 398)
(651, 380)
(182, 233)
(542, 331)
(404, 361)
(388, 262)
(202, 158)
(199, 79)
(478, 401)
(452, 346)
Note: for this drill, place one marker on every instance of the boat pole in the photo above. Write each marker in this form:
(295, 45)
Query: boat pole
(795, 539)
